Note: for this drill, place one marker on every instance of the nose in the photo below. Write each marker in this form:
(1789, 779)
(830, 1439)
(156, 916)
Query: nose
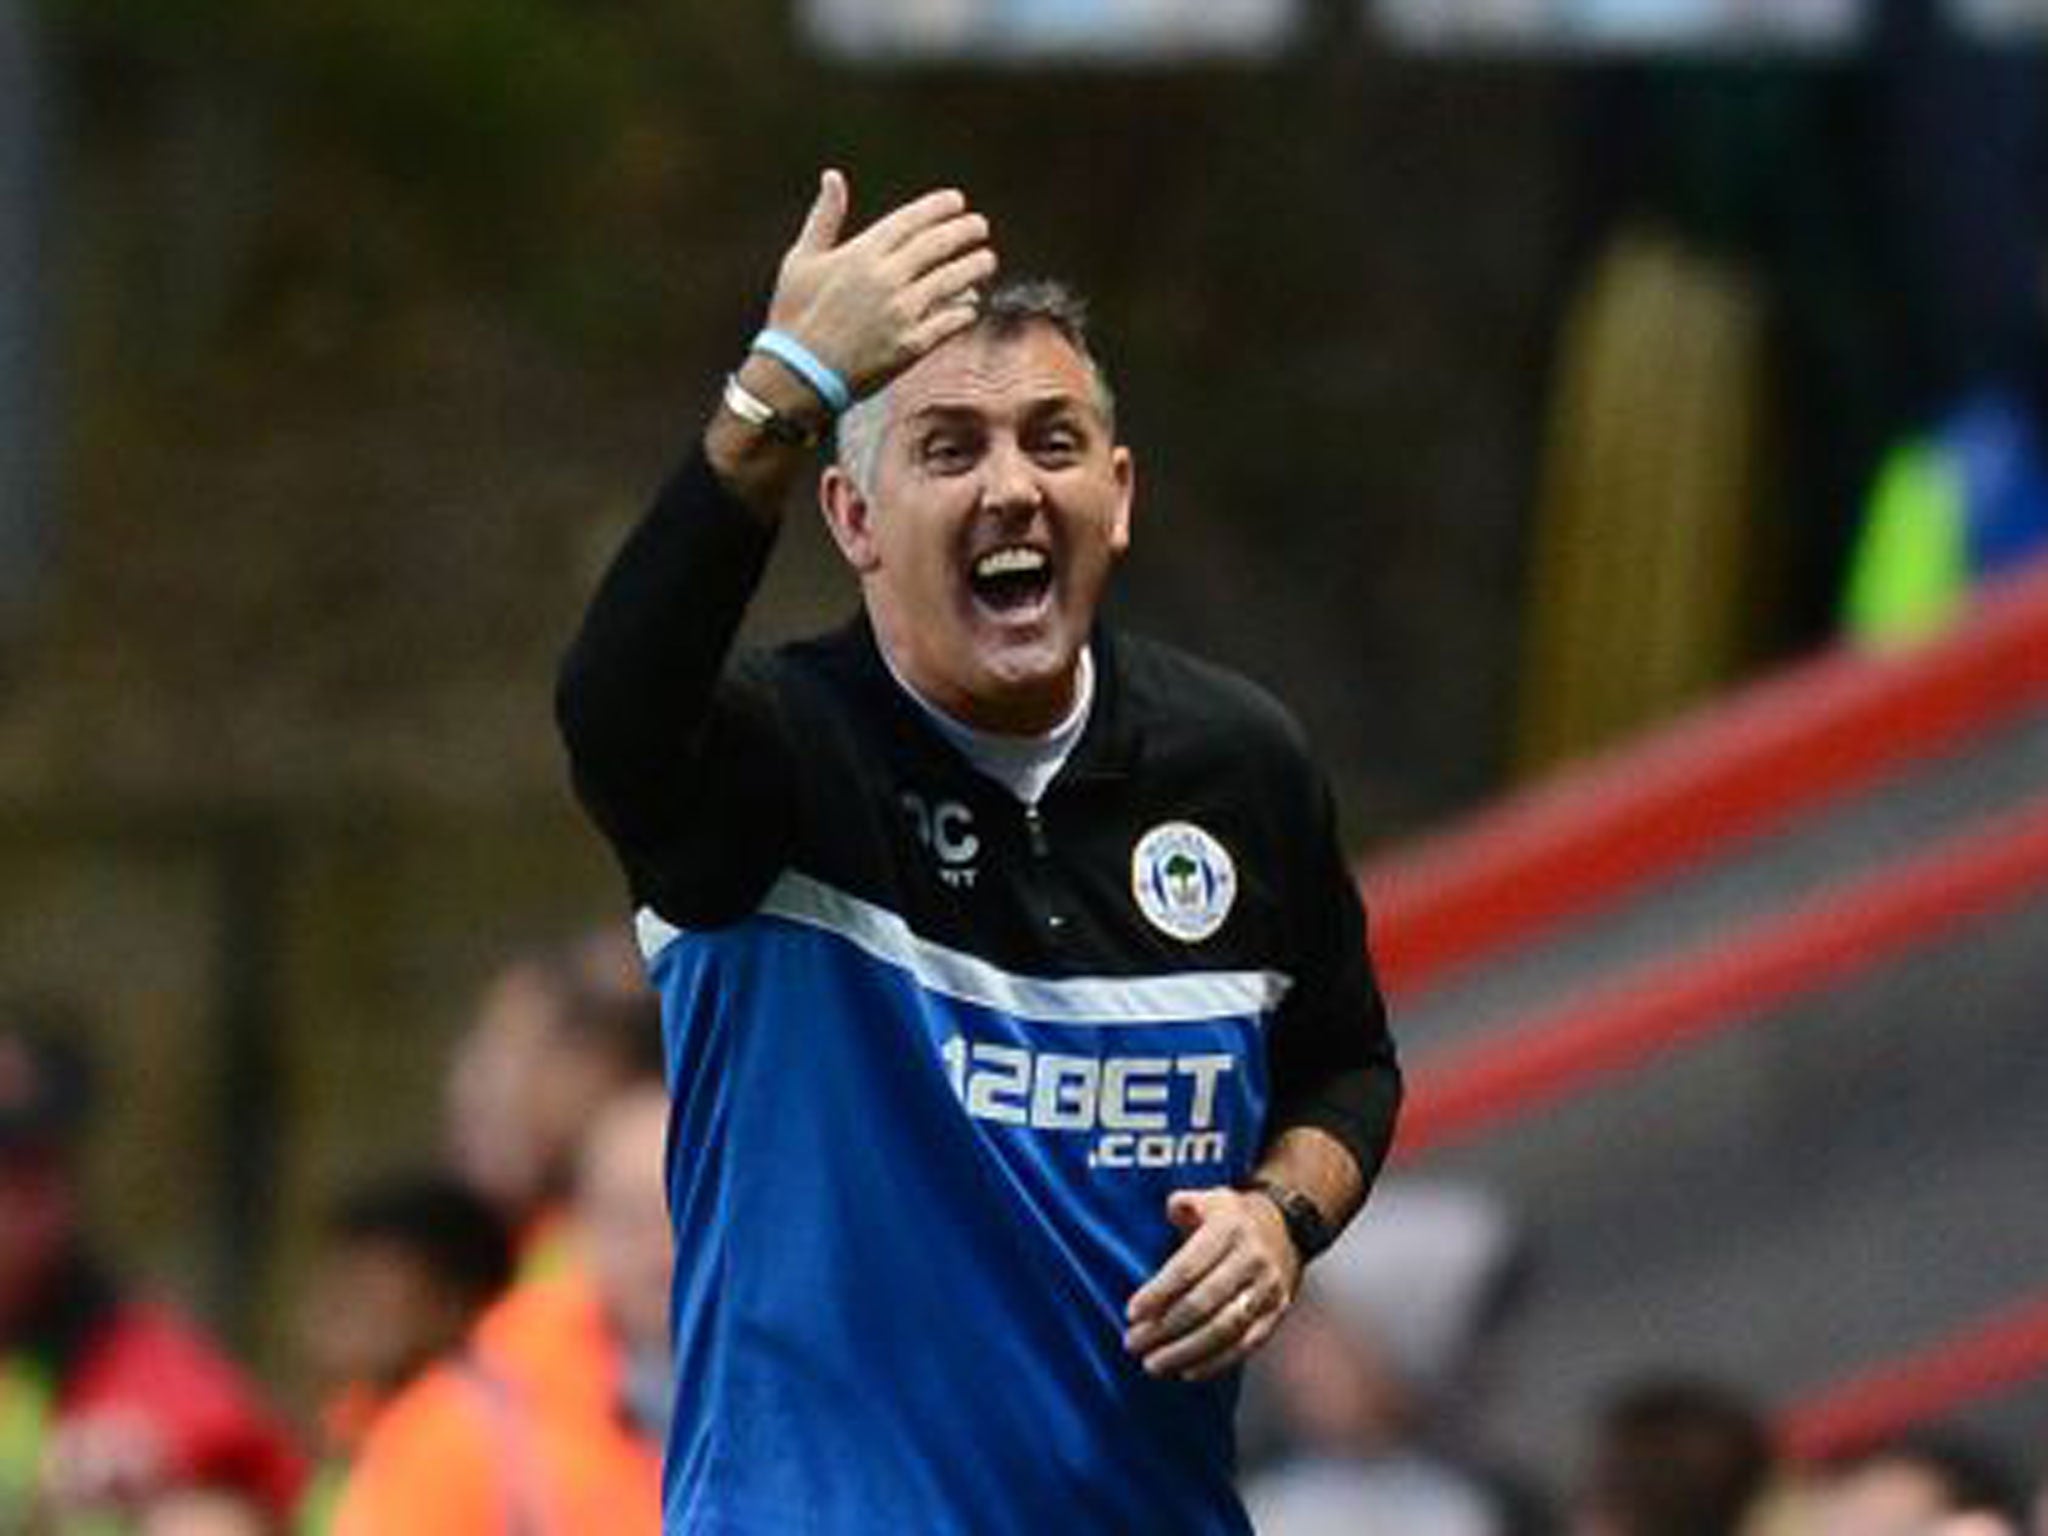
(1009, 480)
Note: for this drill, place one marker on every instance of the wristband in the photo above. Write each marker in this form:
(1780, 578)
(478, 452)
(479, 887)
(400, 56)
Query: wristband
(813, 370)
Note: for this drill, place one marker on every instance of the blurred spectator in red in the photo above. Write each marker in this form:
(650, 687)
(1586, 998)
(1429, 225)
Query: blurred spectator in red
(407, 1266)
(204, 1512)
(106, 1401)
(1676, 1456)
(551, 1422)
(556, 1033)
(1974, 1523)
(1371, 1374)
(1918, 1486)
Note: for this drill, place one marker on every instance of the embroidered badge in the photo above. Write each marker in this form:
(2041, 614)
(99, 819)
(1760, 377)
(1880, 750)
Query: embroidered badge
(1184, 880)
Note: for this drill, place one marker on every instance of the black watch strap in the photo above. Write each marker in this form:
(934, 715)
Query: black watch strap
(1306, 1226)
(756, 412)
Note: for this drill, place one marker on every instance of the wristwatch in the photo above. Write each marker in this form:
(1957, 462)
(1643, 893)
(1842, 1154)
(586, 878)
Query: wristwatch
(1306, 1226)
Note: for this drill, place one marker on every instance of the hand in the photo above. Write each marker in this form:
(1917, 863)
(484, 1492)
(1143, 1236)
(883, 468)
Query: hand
(1224, 1290)
(872, 305)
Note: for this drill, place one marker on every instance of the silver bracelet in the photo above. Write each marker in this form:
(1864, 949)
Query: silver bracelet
(756, 412)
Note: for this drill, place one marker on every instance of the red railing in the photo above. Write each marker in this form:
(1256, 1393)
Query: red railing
(1592, 835)
(1727, 982)
(1978, 1361)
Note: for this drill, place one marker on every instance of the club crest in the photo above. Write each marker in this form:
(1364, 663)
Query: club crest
(1184, 880)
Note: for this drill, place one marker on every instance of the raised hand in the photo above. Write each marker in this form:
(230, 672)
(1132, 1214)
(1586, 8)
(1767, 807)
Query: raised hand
(871, 305)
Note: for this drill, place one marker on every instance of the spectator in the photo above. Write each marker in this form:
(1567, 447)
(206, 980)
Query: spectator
(551, 1422)
(1911, 1487)
(556, 1033)
(1976, 1523)
(106, 1402)
(1370, 1376)
(408, 1265)
(1675, 1457)
(204, 1512)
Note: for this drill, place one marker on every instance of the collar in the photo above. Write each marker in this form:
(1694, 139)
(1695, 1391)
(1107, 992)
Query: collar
(1000, 747)
(1110, 744)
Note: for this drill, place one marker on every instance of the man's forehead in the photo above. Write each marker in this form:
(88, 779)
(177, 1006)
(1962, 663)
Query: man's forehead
(981, 370)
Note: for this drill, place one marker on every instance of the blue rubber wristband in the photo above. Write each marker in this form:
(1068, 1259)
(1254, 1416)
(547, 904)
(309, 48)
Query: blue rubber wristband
(819, 374)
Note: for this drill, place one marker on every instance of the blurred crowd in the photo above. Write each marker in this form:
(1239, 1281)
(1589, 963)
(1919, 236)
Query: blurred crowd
(482, 1343)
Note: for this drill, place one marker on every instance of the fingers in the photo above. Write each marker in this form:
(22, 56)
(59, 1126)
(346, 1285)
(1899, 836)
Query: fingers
(827, 216)
(1219, 1297)
(939, 325)
(1224, 1342)
(1179, 1274)
(919, 214)
(1236, 1275)
(1229, 1356)
(954, 283)
(937, 244)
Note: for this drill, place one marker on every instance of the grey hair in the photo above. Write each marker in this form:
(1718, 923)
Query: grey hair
(1001, 313)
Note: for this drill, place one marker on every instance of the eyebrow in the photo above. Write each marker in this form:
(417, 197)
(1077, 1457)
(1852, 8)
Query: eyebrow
(942, 411)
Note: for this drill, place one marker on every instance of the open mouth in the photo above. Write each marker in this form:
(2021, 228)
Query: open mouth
(1014, 578)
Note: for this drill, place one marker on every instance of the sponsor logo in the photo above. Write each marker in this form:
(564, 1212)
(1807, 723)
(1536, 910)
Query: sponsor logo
(946, 828)
(1183, 880)
(1141, 1111)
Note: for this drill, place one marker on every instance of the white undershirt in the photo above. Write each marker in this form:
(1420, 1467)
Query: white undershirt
(1024, 765)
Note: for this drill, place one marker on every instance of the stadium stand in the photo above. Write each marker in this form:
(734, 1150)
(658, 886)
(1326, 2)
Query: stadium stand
(1745, 1017)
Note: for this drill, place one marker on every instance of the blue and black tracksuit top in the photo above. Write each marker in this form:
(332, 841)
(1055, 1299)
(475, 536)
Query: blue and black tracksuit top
(938, 1058)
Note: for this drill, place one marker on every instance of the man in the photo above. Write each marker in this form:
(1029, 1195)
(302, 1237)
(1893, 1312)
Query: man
(204, 1512)
(406, 1265)
(107, 1402)
(1001, 955)
(557, 1032)
(550, 1421)
(1675, 1456)
(1920, 1485)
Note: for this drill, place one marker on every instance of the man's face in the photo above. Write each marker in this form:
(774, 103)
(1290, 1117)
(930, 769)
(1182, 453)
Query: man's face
(622, 1214)
(375, 1313)
(1882, 1498)
(1000, 502)
(491, 1086)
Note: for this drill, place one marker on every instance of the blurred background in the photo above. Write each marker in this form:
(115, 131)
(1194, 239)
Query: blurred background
(1613, 425)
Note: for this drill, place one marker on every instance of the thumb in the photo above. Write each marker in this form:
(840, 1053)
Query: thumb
(827, 216)
(1186, 1208)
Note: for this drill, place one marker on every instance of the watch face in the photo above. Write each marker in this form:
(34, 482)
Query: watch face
(1305, 1223)
(1306, 1228)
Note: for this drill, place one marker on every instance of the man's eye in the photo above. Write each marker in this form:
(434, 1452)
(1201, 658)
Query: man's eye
(1060, 443)
(943, 453)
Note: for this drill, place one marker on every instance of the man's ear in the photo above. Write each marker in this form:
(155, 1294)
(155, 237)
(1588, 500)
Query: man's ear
(849, 516)
(1125, 468)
